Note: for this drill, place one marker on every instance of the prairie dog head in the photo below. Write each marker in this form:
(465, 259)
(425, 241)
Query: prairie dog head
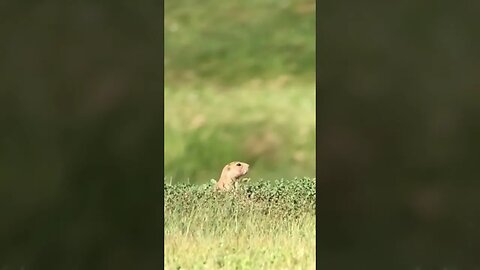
(231, 174)
(235, 169)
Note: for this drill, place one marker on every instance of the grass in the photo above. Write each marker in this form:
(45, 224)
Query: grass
(273, 130)
(239, 85)
(263, 225)
(235, 42)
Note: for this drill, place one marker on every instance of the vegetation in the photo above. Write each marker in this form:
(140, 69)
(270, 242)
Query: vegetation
(239, 41)
(262, 225)
(273, 131)
(239, 85)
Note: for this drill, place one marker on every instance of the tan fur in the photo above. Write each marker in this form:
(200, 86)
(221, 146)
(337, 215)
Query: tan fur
(231, 174)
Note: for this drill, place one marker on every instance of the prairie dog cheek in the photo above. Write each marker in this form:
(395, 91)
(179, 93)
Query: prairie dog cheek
(239, 172)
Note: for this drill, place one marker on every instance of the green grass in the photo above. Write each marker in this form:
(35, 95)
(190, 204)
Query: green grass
(239, 41)
(262, 225)
(272, 130)
(239, 85)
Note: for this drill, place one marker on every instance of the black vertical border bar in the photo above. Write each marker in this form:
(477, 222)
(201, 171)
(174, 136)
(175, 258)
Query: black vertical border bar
(316, 130)
(317, 104)
(162, 166)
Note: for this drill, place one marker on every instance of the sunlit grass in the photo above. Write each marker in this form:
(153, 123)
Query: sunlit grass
(205, 230)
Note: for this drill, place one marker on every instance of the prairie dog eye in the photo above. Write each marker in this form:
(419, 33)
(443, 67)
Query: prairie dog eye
(238, 164)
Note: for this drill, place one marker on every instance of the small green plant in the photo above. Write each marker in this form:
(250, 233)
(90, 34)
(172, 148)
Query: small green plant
(288, 197)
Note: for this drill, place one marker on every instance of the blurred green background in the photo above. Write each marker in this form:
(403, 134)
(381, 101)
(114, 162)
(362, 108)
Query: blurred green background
(399, 134)
(80, 139)
(239, 85)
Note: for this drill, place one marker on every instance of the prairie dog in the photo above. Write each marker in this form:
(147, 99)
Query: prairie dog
(231, 174)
